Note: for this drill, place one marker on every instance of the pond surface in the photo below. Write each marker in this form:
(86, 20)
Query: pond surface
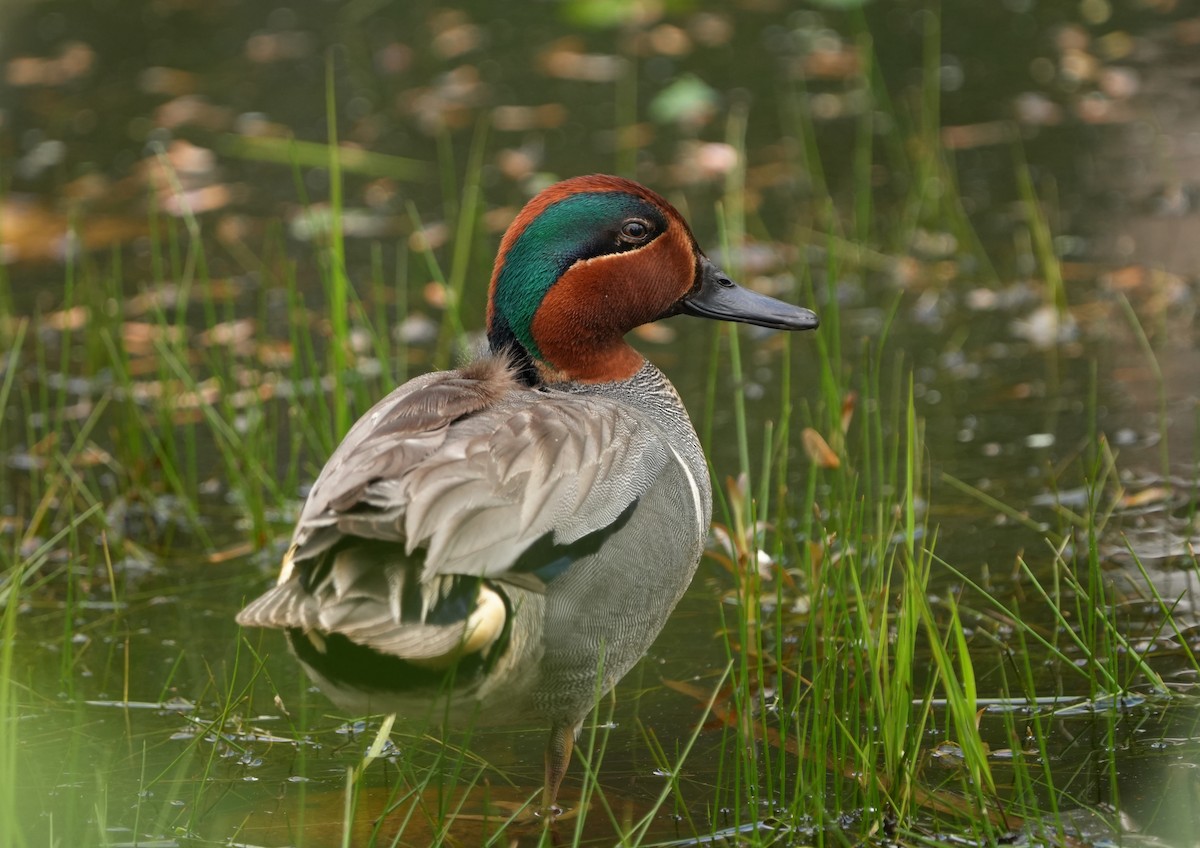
(131, 133)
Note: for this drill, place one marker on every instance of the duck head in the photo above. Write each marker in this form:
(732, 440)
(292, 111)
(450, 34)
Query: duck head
(589, 259)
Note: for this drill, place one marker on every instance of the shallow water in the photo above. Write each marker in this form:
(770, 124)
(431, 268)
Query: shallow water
(125, 730)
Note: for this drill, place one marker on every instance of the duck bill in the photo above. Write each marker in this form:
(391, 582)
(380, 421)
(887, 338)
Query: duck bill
(722, 299)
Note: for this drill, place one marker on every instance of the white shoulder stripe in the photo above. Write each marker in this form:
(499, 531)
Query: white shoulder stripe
(697, 502)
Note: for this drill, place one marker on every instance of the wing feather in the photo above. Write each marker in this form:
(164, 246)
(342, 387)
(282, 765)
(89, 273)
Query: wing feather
(473, 468)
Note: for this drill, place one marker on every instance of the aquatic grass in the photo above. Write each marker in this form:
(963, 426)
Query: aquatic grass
(740, 508)
(933, 199)
(62, 478)
(1088, 643)
(10, 832)
(866, 543)
(874, 636)
(1089, 653)
(1040, 233)
(467, 210)
(1168, 608)
(171, 449)
(291, 152)
(23, 576)
(753, 768)
(335, 277)
(957, 677)
(1160, 385)
(748, 660)
(311, 416)
(9, 320)
(900, 742)
(128, 447)
(240, 451)
(10, 364)
(354, 773)
(892, 650)
(636, 834)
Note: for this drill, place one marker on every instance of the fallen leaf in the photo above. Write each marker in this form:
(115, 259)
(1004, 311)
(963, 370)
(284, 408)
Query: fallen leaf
(818, 449)
(849, 402)
(239, 550)
(75, 318)
(1152, 495)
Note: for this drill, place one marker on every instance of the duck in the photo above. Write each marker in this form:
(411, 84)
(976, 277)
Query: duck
(507, 539)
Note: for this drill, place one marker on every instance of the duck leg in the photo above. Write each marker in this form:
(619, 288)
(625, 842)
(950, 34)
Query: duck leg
(558, 757)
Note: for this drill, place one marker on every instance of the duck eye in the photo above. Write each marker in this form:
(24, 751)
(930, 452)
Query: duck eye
(635, 231)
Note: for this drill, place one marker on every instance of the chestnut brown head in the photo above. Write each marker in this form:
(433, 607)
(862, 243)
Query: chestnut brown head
(589, 259)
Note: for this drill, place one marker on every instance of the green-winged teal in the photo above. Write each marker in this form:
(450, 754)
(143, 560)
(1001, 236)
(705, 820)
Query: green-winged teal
(515, 533)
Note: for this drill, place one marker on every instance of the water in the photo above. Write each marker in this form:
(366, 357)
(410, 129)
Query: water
(123, 731)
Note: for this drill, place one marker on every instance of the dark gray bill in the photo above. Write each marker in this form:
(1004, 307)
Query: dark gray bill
(721, 298)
